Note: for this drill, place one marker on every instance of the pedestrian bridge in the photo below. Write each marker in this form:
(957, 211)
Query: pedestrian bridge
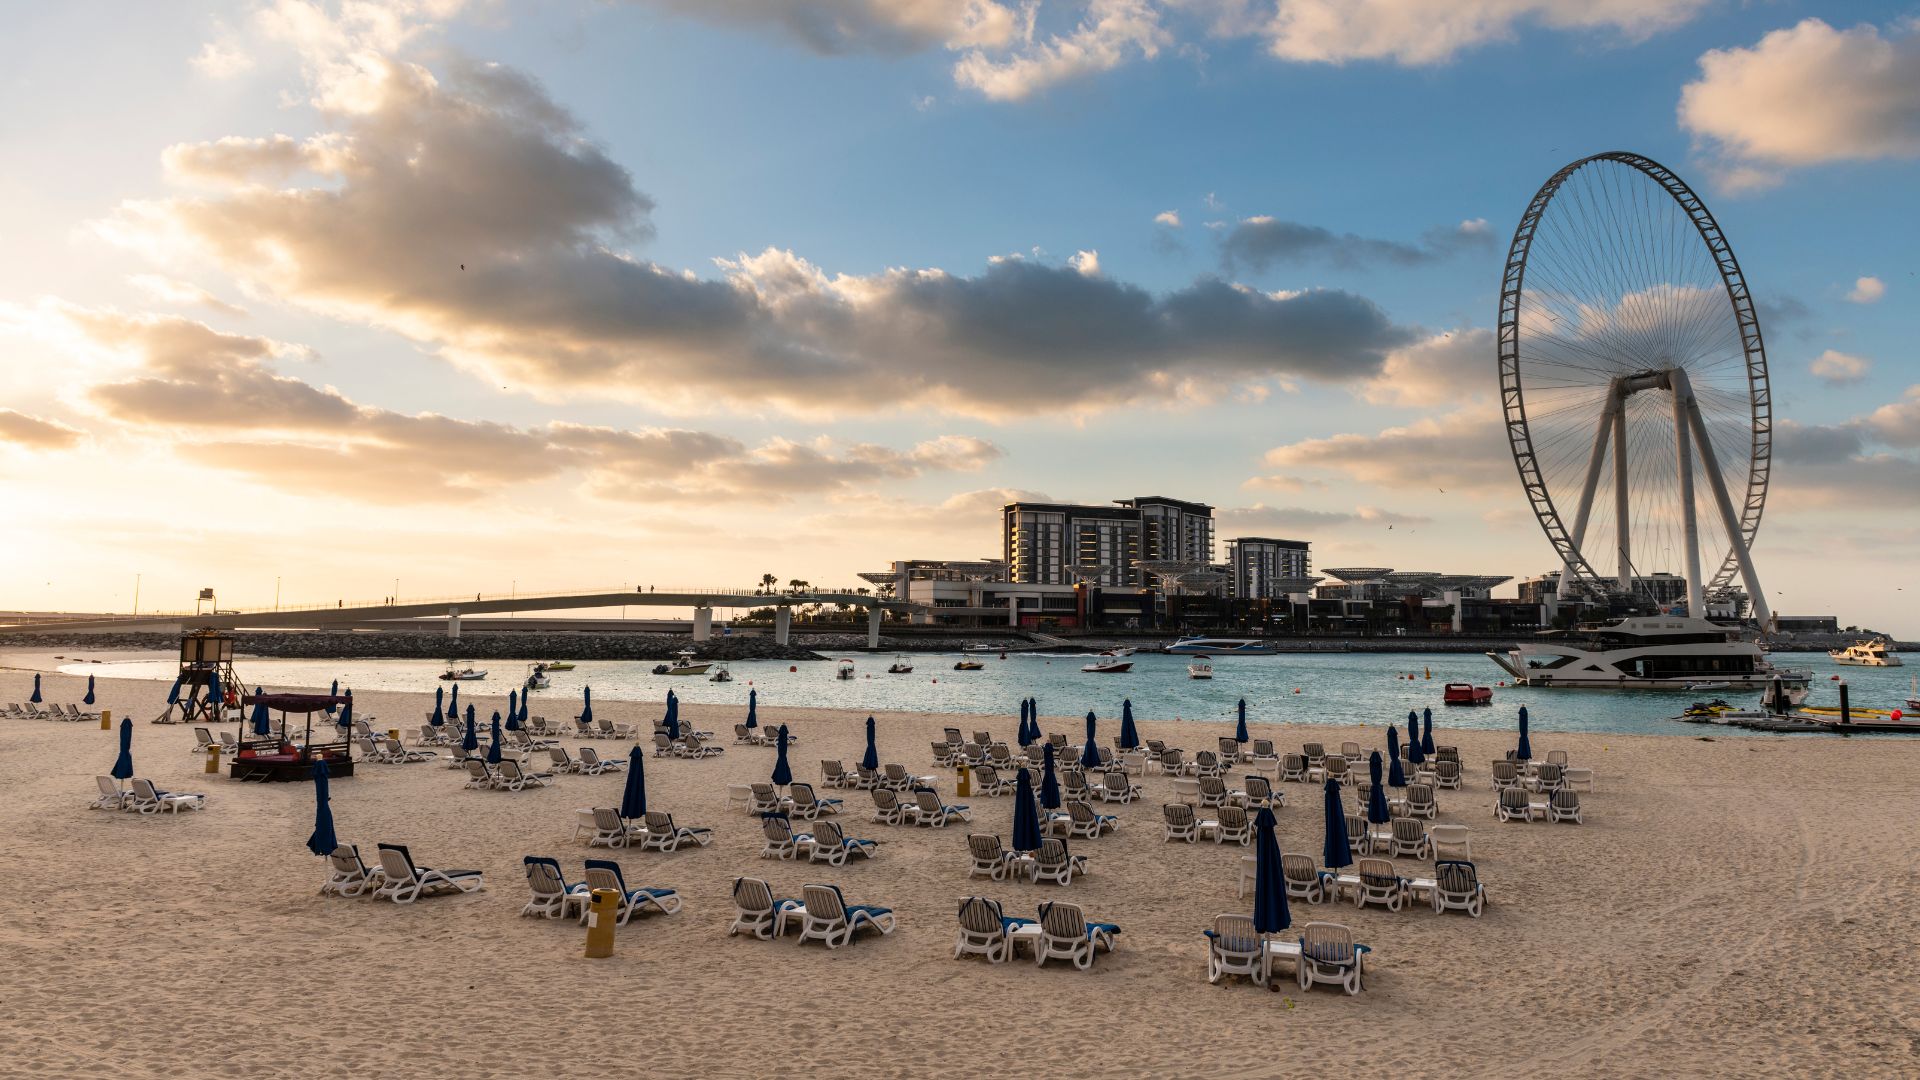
(453, 609)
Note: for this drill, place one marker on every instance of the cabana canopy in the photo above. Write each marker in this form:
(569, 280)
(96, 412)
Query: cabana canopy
(300, 703)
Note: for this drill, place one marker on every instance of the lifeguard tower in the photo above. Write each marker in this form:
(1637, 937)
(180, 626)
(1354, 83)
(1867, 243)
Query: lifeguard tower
(206, 689)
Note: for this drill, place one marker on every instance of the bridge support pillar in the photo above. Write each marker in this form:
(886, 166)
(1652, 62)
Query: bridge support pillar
(702, 623)
(873, 628)
(453, 623)
(1454, 601)
(782, 625)
(1013, 611)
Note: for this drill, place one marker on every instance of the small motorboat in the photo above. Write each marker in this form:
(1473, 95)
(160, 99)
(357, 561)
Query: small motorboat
(462, 674)
(685, 664)
(1459, 693)
(537, 677)
(720, 674)
(1108, 667)
(969, 665)
(900, 666)
(1697, 687)
(844, 671)
(1200, 669)
(557, 665)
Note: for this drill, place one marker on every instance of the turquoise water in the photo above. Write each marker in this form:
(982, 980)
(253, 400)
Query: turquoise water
(1334, 688)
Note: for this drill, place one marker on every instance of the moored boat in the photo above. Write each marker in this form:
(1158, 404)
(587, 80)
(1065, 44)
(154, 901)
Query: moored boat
(462, 674)
(1643, 653)
(1199, 669)
(1871, 652)
(968, 665)
(1459, 693)
(1108, 667)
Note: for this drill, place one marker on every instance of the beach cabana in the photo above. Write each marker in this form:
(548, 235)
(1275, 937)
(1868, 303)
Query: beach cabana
(277, 754)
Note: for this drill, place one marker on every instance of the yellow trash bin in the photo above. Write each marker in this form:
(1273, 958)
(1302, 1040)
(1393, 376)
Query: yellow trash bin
(601, 914)
(106, 719)
(213, 758)
(963, 784)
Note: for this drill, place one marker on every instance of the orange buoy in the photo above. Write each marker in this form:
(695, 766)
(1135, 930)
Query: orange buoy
(1296, 689)
(791, 667)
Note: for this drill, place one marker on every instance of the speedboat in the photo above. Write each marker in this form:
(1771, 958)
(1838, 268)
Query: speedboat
(968, 665)
(900, 666)
(1109, 667)
(1643, 653)
(558, 665)
(1200, 669)
(1222, 646)
(844, 671)
(685, 664)
(1872, 652)
(720, 674)
(462, 674)
(537, 677)
(1459, 693)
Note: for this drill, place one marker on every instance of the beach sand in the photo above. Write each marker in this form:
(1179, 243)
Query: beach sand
(1734, 905)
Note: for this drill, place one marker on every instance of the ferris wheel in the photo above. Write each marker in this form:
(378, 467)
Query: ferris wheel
(1630, 354)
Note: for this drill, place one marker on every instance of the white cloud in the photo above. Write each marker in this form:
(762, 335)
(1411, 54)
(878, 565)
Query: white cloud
(1111, 33)
(1086, 262)
(1805, 95)
(1416, 32)
(1837, 368)
(1867, 290)
(1261, 518)
(1169, 218)
(1463, 452)
(882, 26)
(35, 433)
(165, 290)
(1448, 368)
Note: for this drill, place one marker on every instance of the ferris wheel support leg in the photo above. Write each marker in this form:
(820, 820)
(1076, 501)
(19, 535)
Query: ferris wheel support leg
(1623, 526)
(1616, 398)
(1690, 522)
(1729, 520)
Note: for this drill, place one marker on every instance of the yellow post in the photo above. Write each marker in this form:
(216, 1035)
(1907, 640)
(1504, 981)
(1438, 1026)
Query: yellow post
(106, 719)
(393, 733)
(600, 920)
(213, 759)
(963, 785)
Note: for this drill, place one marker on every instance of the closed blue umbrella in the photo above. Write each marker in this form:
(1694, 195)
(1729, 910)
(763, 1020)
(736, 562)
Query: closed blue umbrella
(262, 723)
(871, 759)
(322, 841)
(173, 692)
(1377, 795)
(471, 740)
(346, 711)
(1525, 752)
(453, 703)
(671, 721)
(88, 700)
(1426, 731)
(123, 765)
(1270, 914)
(753, 708)
(633, 801)
(335, 691)
(215, 699)
(1336, 852)
(1021, 737)
(1129, 738)
(470, 712)
(35, 696)
(1240, 729)
(782, 772)
(1089, 753)
(439, 695)
(1414, 754)
(525, 701)
(493, 748)
(1396, 776)
(513, 711)
(586, 703)
(1026, 818)
(1049, 783)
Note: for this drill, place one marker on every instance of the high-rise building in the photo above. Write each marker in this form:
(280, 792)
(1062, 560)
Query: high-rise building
(1263, 568)
(1066, 543)
(1172, 530)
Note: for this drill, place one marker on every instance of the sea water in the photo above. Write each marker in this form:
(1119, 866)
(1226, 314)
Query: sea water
(1311, 688)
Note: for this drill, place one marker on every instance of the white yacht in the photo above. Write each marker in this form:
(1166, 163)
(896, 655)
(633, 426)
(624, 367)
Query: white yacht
(1221, 646)
(1874, 652)
(685, 664)
(1199, 669)
(1644, 653)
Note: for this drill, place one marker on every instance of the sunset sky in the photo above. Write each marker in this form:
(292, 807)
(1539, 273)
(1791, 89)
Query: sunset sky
(477, 295)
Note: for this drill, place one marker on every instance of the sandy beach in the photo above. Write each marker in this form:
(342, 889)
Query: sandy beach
(1735, 905)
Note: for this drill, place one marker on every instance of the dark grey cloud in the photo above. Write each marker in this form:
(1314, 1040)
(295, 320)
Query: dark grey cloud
(1260, 243)
(892, 27)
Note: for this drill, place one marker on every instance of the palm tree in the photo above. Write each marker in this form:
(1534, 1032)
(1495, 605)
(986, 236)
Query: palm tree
(767, 583)
(796, 586)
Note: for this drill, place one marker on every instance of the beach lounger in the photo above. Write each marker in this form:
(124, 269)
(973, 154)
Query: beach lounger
(745, 736)
(664, 746)
(835, 848)
(1328, 955)
(1081, 820)
(983, 738)
(552, 896)
(144, 798)
(1053, 862)
(1257, 793)
(1545, 779)
(1234, 947)
(229, 743)
(1059, 741)
(348, 874)
(763, 798)
(1117, 786)
(757, 910)
(403, 882)
(1180, 823)
(934, 814)
(986, 930)
(807, 805)
(888, 810)
(1564, 806)
(988, 857)
(866, 779)
(1581, 778)
(1410, 838)
(1066, 933)
(953, 738)
(782, 841)
(1073, 785)
(1338, 768)
(829, 919)
(111, 796)
(834, 774)
(1446, 774)
(1262, 751)
(1514, 805)
(1173, 763)
(1360, 834)
(694, 746)
(584, 729)
(1557, 757)
(894, 777)
(74, 712)
(1207, 763)
(1314, 753)
(606, 874)
(1455, 840)
(1379, 885)
(399, 754)
(1304, 880)
(1351, 751)
(1293, 769)
(1213, 792)
(663, 835)
(609, 830)
(945, 755)
(479, 776)
(1230, 826)
(562, 761)
(1457, 887)
(988, 781)
(1504, 775)
(202, 738)
(1420, 802)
